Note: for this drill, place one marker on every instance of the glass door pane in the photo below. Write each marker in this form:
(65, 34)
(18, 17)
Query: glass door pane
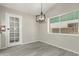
(16, 25)
(11, 29)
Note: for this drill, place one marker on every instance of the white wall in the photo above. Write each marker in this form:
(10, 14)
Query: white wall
(63, 41)
(0, 25)
(2, 20)
(29, 27)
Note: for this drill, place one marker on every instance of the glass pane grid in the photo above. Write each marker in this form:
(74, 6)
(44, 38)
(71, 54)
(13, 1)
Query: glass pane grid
(54, 20)
(14, 29)
(67, 27)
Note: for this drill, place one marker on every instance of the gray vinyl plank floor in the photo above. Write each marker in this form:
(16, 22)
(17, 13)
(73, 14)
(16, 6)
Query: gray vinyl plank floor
(35, 49)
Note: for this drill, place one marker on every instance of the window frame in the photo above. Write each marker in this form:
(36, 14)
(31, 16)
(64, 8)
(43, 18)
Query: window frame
(48, 25)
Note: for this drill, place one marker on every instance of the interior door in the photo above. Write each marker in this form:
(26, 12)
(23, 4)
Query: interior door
(14, 29)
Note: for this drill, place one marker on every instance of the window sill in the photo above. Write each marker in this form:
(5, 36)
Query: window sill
(63, 34)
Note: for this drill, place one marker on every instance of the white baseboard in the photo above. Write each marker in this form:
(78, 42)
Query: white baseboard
(60, 47)
(20, 44)
(3, 48)
(30, 42)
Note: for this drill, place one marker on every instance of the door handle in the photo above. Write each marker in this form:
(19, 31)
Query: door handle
(8, 28)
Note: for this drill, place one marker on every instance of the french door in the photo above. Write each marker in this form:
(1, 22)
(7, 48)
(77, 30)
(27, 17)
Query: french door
(14, 35)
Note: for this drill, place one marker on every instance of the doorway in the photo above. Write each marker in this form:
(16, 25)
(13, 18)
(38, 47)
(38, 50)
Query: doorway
(13, 29)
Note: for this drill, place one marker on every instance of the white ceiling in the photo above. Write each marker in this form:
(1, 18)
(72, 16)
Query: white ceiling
(30, 8)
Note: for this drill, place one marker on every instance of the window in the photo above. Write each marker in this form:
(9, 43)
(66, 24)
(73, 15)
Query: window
(65, 24)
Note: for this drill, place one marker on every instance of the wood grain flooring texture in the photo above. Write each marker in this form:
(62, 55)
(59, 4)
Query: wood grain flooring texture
(35, 49)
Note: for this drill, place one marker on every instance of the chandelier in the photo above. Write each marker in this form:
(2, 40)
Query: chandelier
(41, 18)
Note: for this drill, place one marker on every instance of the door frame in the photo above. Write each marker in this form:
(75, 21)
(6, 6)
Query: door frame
(7, 15)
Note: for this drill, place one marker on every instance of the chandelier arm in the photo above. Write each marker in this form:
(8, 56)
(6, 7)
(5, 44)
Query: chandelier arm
(41, 7)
